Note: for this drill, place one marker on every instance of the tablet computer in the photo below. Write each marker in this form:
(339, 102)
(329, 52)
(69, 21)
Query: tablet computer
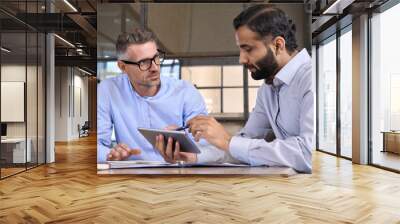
(185, 143)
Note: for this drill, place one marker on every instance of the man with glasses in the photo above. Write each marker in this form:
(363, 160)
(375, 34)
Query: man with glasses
(280, 129)
(141, 98)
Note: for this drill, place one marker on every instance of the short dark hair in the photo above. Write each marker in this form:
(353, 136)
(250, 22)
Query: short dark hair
(268, 20)
(137, 36)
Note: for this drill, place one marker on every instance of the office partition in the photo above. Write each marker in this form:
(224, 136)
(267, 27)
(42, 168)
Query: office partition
(22, 78)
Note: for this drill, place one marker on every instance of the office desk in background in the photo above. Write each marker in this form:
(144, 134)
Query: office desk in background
(13, 150)
(391, 141)
(103, 169)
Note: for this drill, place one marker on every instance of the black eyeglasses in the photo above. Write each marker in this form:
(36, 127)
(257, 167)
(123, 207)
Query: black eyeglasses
(145, 64)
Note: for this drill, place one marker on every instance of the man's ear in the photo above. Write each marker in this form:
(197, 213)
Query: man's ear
(121, 65)
(279, 44)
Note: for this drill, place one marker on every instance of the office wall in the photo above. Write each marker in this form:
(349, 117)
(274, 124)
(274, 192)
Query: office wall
(71, 102)
(13, 73)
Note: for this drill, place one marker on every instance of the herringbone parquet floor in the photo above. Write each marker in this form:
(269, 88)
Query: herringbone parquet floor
(70, 191)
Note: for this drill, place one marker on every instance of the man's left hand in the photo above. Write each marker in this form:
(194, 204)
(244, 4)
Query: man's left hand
(208, 128)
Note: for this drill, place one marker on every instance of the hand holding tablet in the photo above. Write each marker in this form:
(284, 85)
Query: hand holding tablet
(185, 143)
(174, 146)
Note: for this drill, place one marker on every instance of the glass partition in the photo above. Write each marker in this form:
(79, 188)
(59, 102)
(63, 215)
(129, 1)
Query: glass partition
(327, 95)
(22, 78)
(346, 93)
(385, 89)
(14, 145)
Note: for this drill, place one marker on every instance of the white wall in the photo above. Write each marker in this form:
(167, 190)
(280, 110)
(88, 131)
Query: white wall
(14, 73)
(33, 126)
(71, 94)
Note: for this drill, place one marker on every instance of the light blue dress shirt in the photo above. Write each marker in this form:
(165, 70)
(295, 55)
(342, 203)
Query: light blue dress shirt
(121, 108)
(285, 111)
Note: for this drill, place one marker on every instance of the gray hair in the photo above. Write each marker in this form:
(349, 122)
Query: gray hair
(138, 36)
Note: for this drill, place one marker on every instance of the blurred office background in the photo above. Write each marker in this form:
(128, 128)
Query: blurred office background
(358, 79)
(48, 78)
(200, 45)
(53, 54)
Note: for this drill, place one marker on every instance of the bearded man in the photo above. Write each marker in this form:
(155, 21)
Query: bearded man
(280, 129)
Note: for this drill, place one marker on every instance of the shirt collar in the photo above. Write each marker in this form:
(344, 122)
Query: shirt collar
(286, 74)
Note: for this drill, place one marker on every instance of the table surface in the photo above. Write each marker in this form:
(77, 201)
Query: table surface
(102, 169)
(13, 140)
(391, 132)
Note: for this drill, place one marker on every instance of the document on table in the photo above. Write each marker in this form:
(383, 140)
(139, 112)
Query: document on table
(160, 164)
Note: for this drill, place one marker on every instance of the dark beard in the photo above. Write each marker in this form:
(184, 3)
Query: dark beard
(267, 68)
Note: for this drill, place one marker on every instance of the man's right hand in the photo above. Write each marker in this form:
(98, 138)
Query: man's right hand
(121, 152)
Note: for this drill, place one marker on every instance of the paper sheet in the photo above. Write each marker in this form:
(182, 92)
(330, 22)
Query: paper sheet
(158, 164)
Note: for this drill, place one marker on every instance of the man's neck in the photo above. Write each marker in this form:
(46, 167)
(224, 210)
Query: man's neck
(144, 90)
(287, 58)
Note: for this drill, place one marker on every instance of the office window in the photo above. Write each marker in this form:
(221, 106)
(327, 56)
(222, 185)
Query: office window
(232, 76)
(202, 76)
(107, 69)
(346, 93)
(208, 80)
(170, 68)
(385, 89)
(212, 99)
(220, 85)
(327, 95)
(254, 85)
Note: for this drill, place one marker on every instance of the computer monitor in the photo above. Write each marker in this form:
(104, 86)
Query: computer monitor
(3, 129)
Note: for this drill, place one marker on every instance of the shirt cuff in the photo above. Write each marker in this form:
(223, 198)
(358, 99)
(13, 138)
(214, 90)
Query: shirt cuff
(203, 157)
(239, 148)
(209, 153)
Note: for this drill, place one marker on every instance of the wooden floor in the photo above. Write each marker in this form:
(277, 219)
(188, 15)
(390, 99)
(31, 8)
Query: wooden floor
(386, 159)
(69, 191)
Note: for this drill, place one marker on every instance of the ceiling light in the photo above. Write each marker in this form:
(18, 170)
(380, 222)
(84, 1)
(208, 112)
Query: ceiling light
(70, 5)
(5, 50)
(337, 7)
(84, 71)
(65, 41)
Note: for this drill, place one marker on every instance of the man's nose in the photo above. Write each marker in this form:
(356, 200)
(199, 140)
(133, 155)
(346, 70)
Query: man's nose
(243, 59)
(154, 66)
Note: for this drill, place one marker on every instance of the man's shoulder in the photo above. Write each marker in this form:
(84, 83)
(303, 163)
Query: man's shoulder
(117, 81)
(303, 76)
(176, 83)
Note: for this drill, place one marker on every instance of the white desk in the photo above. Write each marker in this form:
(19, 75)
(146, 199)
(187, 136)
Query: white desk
(18, 150)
